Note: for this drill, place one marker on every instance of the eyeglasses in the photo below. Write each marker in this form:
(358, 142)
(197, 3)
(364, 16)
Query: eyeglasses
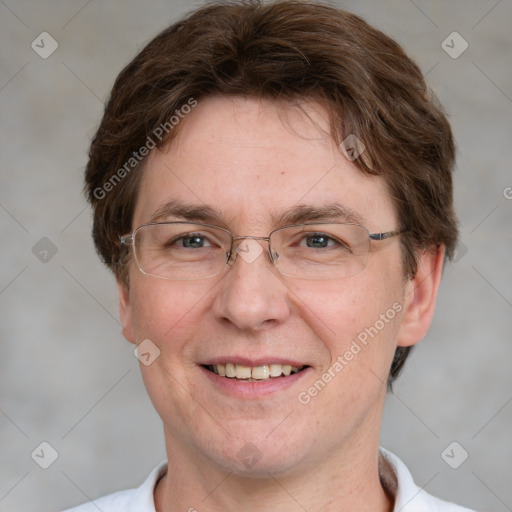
(183, 251)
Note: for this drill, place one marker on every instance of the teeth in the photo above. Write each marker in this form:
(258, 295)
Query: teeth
(243, 372)
(260, 372)
(230, 370)
(276, 370)
(265, 372)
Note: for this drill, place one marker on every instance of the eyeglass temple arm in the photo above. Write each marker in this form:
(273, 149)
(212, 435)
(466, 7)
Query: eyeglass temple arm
(387, 234)
(126, 239)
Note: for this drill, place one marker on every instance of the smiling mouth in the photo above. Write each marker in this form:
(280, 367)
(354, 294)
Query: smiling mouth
(254, 373)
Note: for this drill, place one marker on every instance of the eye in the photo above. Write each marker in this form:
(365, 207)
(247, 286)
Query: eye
(320, 241)
(190, 241)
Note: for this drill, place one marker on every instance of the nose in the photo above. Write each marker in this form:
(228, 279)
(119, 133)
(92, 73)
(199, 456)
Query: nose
(252, 295)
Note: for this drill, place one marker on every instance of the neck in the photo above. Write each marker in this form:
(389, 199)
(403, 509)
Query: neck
(344, 482)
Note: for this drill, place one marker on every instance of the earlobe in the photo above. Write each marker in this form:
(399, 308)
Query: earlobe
(420, 297)
(125, 311)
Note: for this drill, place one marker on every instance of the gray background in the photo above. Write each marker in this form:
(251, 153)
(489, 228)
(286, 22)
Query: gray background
(66, 374)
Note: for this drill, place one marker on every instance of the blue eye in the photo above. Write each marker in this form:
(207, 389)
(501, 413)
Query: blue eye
(318, 240)
(323, 241)
(194, 241)
(189, 241)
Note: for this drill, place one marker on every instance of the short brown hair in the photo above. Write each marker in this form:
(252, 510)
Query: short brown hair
(281, 50)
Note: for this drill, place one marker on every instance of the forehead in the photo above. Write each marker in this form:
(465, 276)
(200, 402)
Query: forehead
(250, 161)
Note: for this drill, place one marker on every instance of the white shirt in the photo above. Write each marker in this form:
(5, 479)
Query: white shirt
(394, 475)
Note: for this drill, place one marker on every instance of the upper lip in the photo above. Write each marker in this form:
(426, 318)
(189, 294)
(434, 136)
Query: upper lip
(245, 361)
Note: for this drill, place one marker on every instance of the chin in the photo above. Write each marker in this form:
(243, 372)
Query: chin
(255, 455)
(251, 462)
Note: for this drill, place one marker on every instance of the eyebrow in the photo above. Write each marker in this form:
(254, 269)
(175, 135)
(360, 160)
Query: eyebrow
(297, 214)
(331, 212)
(186, 211)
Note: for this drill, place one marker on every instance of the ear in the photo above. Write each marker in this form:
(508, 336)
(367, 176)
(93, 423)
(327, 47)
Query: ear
(125, 311)
(420, 297)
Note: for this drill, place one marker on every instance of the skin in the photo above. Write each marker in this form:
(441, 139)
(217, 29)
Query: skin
(241, 158)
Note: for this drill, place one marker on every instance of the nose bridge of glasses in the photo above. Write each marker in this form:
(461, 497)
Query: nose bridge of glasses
(249, 248)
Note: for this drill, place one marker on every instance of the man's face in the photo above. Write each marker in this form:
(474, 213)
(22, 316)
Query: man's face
(249, 162)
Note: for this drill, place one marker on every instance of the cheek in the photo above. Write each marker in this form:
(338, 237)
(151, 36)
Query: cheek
(166, 312)
(358, 318)
(158, 304)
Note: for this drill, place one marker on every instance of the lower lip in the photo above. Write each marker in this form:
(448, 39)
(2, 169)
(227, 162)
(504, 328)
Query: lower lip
(254, 389)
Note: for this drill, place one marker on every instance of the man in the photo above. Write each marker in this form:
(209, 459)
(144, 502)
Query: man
(271, 185)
